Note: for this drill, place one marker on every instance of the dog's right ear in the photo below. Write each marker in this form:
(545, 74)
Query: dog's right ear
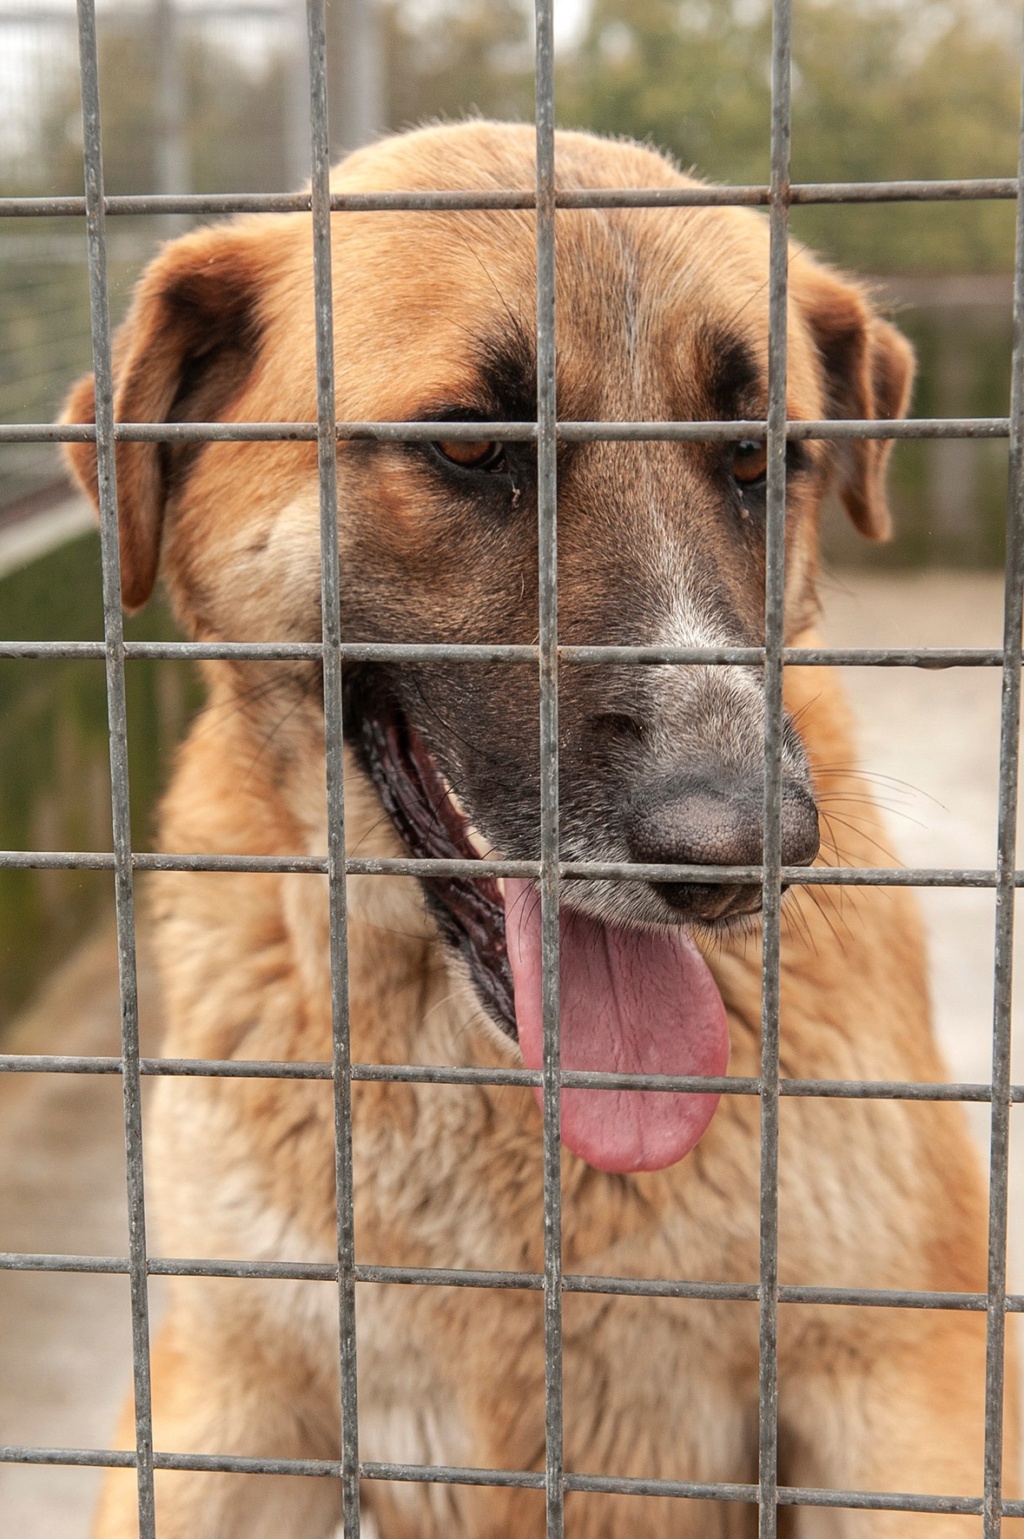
(868, 369)
(189, 342)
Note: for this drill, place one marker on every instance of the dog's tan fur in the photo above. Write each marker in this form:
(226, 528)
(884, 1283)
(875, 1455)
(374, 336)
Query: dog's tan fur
(872, 1194)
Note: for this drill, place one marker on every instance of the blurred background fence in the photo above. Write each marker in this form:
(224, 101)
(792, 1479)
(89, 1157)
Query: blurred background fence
(213, 97)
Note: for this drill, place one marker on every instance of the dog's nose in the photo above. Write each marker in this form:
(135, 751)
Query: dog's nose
(715, 820)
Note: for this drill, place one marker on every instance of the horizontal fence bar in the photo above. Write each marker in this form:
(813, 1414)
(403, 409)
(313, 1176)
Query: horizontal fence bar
(957, 190)
(528, 1282)
(788, 1496)
(570, 870)
(63, 20)
(461, 1074)
(804, 430)
(931, 658)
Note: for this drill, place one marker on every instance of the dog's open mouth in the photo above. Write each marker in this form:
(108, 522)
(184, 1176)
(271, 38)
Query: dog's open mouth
(632, 1001)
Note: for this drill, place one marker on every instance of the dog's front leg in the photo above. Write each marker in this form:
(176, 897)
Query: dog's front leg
(896, 1405)
(245, 1406)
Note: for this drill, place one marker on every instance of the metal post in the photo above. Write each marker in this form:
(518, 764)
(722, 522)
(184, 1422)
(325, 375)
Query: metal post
(1006, 859)
(547, 543)
(171, 152)
(296, 105)
(360, 112)
(774, 641)
(113, 637)
(330, 584)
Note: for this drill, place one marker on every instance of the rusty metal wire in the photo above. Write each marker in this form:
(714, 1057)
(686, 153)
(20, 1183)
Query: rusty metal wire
(346, 1272)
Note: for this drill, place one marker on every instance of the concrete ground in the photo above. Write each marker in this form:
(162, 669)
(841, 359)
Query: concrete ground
(65, 1340)
(930, 738)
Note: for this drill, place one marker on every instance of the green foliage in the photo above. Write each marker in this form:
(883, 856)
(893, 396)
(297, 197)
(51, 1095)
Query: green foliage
(456, 57)
(54, 756)
(882, 90)
(234, 116)
(690, 78)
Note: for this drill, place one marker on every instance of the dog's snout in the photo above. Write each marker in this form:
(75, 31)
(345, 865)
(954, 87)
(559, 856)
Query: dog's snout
(715, 819)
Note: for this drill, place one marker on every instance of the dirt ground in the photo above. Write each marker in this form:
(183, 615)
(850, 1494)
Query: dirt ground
(931, 738)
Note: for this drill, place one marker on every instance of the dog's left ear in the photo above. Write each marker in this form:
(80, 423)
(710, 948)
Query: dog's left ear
(869, 369)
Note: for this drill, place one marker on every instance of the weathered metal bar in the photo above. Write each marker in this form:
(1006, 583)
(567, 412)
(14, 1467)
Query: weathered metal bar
(531, 1282)
(318, 1469)
(113, 635)
(1006, 856)
(508, 432)
(771, 901)
(955, 190)
(931, 658)
(795, 876)
(547, 606)
(330, 595)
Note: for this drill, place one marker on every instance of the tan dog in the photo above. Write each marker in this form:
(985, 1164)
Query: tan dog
(661, 315)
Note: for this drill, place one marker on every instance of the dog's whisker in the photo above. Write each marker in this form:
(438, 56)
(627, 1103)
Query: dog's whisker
(855, 772)
(853, 825)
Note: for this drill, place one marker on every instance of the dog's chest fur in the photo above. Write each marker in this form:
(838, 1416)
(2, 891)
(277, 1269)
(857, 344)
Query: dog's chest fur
(450, 1177)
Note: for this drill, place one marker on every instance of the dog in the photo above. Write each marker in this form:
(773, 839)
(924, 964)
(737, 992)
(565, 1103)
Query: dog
(662, 314)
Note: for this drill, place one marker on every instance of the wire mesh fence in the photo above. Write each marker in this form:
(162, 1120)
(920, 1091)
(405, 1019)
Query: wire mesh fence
(550, 871)
(206, 96)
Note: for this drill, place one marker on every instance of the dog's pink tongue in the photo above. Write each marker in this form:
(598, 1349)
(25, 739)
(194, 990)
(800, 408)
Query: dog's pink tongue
(632, 1001)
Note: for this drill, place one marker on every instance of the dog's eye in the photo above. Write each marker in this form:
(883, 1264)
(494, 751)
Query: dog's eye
(749, 462)
(471, 456)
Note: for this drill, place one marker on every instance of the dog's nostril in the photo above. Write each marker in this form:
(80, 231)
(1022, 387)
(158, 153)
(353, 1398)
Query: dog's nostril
(801, 835)
(709, 901)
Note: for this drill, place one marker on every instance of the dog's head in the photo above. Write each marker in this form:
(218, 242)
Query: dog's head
(662, 315)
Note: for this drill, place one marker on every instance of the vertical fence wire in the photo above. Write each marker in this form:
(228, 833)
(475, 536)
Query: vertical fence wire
(1002, 1022)
(774, 638)
(113, 636)
(547, 548)
(330, 586)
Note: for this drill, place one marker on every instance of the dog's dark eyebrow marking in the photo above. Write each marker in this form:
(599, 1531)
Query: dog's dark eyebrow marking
(508, 373)
(733, 374)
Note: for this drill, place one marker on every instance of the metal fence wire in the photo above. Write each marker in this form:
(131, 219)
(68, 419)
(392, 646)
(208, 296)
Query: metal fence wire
(546, 432)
